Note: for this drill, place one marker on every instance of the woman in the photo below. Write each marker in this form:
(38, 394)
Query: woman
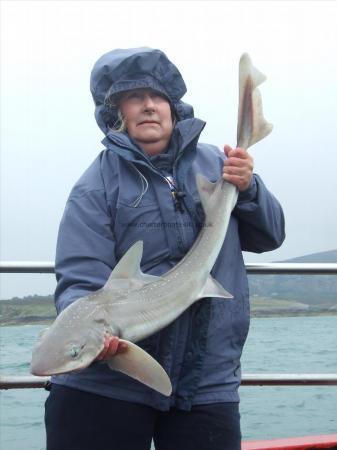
(142, 187)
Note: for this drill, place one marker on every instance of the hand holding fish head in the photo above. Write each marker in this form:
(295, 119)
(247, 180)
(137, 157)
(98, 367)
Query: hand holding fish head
(112, 346)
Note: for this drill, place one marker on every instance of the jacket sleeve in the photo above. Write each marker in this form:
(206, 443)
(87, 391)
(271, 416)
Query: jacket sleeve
(260, 218)
(85, 253)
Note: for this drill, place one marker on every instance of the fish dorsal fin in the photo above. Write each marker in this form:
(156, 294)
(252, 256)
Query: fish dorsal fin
(127, 271)
(213, 288)
(205, 189)
(129, 264)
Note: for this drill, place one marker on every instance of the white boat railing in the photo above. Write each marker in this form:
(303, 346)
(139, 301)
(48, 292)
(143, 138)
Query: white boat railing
(260, 379)
(251, 379)
(252, 268)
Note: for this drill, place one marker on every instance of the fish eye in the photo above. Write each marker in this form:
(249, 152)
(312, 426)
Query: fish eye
(74, 351)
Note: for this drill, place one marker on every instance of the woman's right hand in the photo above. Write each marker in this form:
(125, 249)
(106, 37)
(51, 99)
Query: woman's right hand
(112, 346)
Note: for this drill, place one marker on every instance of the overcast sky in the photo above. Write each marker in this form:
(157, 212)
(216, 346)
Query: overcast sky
(49, 135)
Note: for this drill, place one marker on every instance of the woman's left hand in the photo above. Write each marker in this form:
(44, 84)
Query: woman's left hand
(238, 167)
(112, 345)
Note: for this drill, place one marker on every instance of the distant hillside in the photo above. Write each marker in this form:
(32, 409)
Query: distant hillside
(30, 309)
(318, 291)
(321, 257)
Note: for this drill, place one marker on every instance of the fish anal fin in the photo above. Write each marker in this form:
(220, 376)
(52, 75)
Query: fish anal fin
(138, 364)
(213, 288)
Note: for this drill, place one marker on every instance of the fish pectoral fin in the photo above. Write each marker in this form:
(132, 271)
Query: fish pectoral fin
(213, 288)
(139, 365)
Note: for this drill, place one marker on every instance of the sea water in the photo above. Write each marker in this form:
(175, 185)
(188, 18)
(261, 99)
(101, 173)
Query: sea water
(285, 344)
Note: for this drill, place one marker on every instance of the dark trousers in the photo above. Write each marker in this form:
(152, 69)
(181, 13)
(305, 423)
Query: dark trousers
(77, 420)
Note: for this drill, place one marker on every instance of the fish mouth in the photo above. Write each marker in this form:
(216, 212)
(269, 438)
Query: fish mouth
(43, 371)
(50, 372)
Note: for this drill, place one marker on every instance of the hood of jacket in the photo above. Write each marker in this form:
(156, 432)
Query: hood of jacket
(130, 68)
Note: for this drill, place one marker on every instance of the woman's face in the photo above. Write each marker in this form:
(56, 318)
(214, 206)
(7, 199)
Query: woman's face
(148, 118)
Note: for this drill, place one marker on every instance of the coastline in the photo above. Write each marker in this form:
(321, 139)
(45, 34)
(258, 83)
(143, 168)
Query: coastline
(255, 314)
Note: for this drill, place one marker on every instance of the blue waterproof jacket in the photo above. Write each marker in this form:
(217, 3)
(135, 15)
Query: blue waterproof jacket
(109, 210)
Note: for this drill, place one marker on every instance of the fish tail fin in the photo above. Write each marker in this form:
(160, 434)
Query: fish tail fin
(252, 126)
(138, 364)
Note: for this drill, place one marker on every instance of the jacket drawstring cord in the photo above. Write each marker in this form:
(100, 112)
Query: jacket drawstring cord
(145, 186)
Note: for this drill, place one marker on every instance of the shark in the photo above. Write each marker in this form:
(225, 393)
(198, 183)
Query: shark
(134, 305)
